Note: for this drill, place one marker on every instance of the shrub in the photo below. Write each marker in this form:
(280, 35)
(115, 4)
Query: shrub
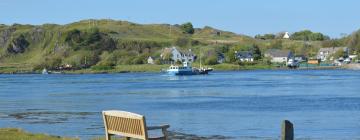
(187, 28)
(212, 60)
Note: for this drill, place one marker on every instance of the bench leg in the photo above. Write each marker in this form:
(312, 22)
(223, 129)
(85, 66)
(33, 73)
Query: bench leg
(164, 131)
(107, 136)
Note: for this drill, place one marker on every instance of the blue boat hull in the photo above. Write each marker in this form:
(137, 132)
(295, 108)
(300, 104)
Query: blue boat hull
(182, 73)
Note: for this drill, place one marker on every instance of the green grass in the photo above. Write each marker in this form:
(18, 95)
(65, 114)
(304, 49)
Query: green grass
(15, 68)
(124, 68)
(227, 67)
(19, 134)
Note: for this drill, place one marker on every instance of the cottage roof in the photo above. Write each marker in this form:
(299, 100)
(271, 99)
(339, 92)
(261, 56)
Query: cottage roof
(278, 53)
(244, 54)
(183, 52)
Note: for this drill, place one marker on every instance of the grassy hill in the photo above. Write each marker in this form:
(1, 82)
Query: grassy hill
(106, 44)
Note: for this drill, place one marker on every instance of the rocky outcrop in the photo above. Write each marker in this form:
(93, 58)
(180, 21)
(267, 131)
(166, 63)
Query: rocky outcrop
(18, 45)
(5, 35)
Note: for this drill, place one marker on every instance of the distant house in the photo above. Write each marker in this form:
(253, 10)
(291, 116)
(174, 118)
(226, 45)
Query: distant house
(286, 35)
(150, 60)
(178, 55)
(278, 56)
(244, 56)
(325, 54)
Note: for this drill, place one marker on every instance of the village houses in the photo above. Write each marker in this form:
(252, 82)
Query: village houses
(325, 54)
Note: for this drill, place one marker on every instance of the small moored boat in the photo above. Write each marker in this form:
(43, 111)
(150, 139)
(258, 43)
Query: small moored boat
(44, 71)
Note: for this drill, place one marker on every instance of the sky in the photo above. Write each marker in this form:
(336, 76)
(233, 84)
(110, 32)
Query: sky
(250, 17)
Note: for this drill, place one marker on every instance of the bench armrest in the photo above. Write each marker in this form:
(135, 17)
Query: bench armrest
(165, 126)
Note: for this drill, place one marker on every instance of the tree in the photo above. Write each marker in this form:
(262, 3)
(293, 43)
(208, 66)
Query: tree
(256, 52)
(307, 35)
(339, 53)
(354, 42)
(187, 28)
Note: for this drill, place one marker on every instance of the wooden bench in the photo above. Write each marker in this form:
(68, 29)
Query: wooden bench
(129, 125)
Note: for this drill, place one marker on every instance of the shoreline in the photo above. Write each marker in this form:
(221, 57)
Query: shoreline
(19, 133)
(145, 68)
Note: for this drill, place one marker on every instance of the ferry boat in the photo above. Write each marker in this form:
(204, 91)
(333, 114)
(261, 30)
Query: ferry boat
(187, 69)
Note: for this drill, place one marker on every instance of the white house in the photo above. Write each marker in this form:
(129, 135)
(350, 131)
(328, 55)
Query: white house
(324, 54)
(150, 60)
(278, 56)
(244, 56)
(178, 55)
(286, 35)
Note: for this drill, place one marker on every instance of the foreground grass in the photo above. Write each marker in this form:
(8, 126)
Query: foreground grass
(18, 134)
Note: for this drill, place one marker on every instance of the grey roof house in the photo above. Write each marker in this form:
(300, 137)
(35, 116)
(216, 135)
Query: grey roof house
(244, 56)
(278, 56)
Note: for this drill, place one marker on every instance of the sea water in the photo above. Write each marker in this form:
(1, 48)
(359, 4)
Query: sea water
(322, 104)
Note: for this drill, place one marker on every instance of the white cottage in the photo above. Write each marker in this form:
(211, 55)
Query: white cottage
(286, 35)
(150, 60)
(178, 55)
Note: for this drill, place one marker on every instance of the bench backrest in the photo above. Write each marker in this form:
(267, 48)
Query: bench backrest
(126, 124)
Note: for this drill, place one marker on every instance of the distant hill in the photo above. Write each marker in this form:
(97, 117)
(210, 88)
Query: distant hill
(34, 44)
(88, 43)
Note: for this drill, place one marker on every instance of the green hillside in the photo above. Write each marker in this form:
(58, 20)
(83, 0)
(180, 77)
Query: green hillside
(109, 44)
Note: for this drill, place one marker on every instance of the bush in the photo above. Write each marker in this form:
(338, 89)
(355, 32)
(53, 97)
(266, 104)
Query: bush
(308, 35)
(212, 60)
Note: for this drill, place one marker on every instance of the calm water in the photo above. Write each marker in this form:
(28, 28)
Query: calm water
(323, 104)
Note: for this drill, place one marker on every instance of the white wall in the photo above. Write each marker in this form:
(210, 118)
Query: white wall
(279, 59)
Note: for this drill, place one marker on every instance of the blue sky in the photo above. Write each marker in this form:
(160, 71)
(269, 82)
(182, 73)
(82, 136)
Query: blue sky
(250, 17)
